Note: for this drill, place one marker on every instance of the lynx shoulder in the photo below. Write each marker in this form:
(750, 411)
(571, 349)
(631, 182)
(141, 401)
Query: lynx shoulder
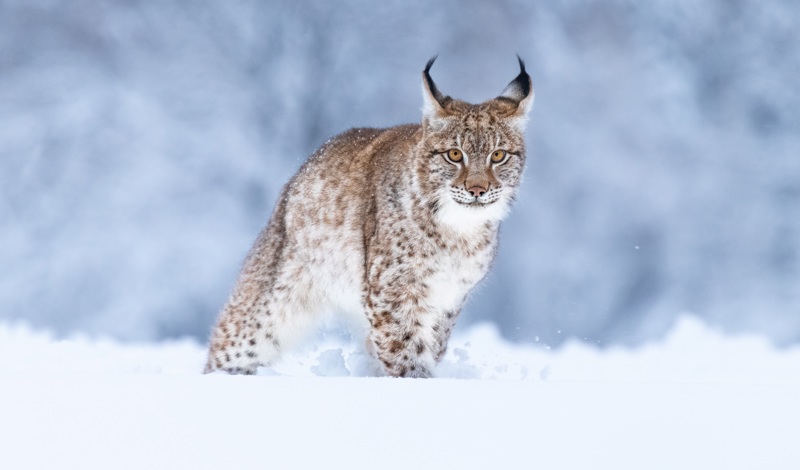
(394, 225)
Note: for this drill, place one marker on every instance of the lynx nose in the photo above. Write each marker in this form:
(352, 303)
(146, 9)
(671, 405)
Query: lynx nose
(477, 191)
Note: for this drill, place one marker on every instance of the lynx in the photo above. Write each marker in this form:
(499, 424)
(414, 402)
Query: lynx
(396, 225)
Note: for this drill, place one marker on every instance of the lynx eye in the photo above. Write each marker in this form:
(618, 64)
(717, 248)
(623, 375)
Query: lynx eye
(455, 155)
(498, 156)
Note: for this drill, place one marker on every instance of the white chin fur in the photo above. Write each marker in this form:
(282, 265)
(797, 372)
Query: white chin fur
(467, 218)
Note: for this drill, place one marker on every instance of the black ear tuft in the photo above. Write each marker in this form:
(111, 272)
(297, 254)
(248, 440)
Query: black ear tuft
(520, 87)
(523, 77)
(434, 91)
(430, 64)
(519, 93)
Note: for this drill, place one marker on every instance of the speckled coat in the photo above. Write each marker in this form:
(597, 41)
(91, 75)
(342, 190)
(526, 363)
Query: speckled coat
(395, 225)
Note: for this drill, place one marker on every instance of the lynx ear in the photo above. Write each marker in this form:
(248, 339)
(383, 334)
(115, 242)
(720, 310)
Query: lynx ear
(520, 93)
(433, 101)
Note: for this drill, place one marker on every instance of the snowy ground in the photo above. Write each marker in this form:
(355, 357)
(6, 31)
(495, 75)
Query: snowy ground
(699, 399)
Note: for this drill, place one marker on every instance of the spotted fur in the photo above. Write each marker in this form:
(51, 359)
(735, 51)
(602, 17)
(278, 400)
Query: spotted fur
(381, 223)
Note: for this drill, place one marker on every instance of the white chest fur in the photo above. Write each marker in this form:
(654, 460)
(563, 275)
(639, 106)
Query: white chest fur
(454, 275)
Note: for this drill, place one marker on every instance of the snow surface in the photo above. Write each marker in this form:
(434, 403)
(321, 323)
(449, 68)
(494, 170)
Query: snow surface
(698, 399)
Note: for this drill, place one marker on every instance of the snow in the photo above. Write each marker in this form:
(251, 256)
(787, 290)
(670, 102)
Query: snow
(697, 399)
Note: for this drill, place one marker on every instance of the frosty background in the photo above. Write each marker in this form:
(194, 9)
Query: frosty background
(142, 146)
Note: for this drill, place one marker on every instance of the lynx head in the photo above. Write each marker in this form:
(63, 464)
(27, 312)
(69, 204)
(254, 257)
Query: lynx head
(474, 153)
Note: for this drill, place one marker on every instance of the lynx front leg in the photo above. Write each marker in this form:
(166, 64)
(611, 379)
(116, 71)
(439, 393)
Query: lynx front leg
(401, 350)
(407, 338)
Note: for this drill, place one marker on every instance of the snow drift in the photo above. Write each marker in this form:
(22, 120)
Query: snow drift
(696, 400)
